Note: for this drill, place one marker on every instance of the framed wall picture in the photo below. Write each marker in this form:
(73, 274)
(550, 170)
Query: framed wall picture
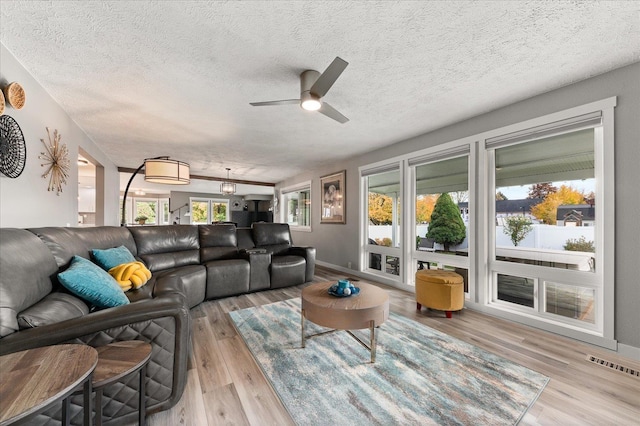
(334, 198)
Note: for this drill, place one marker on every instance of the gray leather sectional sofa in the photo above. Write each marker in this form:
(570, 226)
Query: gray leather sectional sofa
(189, 264)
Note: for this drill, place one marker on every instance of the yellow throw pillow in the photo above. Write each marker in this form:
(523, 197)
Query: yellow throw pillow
(130, 275)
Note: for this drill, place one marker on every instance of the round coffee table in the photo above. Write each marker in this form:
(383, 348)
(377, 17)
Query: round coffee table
(369, 309)
(34, 379)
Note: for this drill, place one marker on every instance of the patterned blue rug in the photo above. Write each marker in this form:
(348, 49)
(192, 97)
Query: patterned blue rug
(421, 376)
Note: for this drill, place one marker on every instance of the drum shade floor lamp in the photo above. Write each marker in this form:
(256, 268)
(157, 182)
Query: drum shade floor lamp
(158, 170)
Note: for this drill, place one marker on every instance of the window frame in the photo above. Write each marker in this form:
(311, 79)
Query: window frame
(460, 148)
(481, 199)
(602, 280)
(305, 186)
(210, 202)
(394, 164)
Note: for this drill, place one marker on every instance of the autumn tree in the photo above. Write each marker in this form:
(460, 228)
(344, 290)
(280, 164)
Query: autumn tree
(517, 227)
(590, 198)
(380, 209)
(446, 226)
(541, 190)
(424, 207)
(547, 210)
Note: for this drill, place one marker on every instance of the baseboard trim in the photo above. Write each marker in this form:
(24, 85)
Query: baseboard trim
(360, 274)
(628, 351)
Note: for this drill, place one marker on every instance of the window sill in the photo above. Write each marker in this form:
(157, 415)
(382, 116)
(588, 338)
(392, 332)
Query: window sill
(300, 228)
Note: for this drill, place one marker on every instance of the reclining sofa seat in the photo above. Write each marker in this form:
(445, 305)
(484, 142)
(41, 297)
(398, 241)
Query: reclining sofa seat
(173, 253)
(227, 273)
(30, 261)
(289, 265)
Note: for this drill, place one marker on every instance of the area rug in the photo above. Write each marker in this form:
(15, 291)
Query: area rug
(421, 376)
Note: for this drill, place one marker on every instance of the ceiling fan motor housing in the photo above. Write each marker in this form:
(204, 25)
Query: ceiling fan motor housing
(308, 100)
(307, 78)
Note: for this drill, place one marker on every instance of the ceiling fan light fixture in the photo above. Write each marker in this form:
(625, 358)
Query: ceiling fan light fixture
(310, 102)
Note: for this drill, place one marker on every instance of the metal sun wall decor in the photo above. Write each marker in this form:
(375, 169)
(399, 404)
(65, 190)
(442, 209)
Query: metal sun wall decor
(56, 162)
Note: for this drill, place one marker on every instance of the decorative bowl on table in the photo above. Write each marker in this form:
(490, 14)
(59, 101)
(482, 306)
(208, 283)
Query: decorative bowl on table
(343, 288)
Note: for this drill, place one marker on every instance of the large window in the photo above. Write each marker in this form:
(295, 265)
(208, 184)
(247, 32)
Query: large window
(442, 179)
(296, 206)
(205, 211)
(536, 201)
(154, 209)
(545, 216)
(383, 228)
(547, 222)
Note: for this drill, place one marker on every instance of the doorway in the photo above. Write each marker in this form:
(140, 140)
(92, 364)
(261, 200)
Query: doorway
(90, 190)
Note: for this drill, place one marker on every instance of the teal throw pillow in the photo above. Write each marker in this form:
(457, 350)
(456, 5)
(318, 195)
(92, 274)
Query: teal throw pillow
(88, 281)
(113, 257)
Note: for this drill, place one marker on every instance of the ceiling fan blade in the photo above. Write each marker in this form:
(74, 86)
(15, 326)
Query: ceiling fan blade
(331, 112)
(282, 102)
(328, 77)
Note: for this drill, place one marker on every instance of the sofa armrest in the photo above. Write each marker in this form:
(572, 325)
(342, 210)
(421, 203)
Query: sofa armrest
(259, 263)
(62, 332)
(309, 254)
(164, 322)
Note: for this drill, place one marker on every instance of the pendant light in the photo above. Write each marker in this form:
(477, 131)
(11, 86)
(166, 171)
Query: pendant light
(228, 188)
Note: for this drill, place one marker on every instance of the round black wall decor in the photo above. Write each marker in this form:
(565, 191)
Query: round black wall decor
(13, 151)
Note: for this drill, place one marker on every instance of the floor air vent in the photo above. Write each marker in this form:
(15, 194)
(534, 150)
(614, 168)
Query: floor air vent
(613, 365)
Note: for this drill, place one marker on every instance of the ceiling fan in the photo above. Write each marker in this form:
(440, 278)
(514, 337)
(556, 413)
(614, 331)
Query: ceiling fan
(313, 86)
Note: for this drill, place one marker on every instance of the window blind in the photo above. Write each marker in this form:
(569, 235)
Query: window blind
(458, 151)
(574, 123)
(380, 169)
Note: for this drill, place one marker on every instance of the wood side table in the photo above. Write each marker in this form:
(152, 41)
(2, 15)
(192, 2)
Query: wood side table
(33, 380)
(369, 309)
(115, 361)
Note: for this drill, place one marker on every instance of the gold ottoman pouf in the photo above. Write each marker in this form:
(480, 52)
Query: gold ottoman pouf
(438, 289)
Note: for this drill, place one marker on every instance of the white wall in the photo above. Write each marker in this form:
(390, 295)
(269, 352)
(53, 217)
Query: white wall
(25, 201)
(339, 244)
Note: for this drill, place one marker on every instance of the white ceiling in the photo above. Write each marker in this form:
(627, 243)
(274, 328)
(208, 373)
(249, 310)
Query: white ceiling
(151, 78)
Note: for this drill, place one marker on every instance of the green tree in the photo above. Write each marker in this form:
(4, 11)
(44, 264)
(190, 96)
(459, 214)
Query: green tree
(199, 211)
(146, 208)
(446, 226)
(517, 227)
(219, 212)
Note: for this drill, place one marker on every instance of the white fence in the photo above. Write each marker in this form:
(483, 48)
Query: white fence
(548, 237)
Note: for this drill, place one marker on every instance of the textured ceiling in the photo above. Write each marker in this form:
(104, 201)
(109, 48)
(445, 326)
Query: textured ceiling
(150, 78)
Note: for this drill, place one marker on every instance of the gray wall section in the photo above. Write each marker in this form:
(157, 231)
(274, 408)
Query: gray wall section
(25, 201)
(338, 244)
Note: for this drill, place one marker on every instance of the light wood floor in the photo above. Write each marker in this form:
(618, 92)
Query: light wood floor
(226, 387)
